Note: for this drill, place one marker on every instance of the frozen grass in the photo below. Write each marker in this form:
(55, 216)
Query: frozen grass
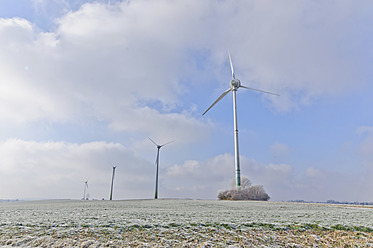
(175, 223)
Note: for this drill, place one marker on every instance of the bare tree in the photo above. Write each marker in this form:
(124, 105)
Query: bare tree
(245, 183)
(245, 192)
(257, 192)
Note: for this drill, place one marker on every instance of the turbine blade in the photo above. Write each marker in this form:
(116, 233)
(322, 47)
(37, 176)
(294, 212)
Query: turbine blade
(217, 100)
(153, 141)
(168, 143)
(230, 60)
(260, 90)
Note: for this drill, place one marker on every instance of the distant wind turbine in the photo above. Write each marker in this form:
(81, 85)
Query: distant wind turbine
(157, 163)
(85, 187)
(233, 86)
(112, 183)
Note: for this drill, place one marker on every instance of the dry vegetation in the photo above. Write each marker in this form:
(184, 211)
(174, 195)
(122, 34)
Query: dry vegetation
(196, 236)
(183, 223)
(246, 192)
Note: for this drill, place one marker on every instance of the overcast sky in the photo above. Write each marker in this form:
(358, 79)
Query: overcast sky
(84, 83)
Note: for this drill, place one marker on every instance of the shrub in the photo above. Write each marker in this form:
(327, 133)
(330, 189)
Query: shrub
(246, 192)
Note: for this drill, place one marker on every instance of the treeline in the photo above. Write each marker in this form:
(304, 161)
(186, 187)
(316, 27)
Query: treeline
(245, 192)
(335, 202)
(348, 203)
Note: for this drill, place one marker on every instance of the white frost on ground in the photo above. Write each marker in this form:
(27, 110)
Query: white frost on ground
(166, 223)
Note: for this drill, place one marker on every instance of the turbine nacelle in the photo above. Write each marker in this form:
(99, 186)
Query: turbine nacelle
(235, 84)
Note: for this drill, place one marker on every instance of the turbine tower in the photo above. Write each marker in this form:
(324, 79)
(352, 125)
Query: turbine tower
(233, 86)
(157, 163)
(85, 187)
(112, 183)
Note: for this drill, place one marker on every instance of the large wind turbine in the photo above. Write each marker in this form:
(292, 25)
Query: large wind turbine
(157, 162)
(85, 187)
(233, 86)
(112, 183)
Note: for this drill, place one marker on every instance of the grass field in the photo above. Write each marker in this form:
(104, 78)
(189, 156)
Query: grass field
(183, 223)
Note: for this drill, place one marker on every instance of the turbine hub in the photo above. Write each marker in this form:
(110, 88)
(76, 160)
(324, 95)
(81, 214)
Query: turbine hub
(235, 84)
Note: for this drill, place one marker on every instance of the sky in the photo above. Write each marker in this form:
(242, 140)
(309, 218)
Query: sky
(83, 84)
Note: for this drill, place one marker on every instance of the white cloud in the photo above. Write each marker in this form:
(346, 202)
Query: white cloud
(57, 170)
(314, 173)
(190, 167)
(277, 179)
(365, 147)
(279, 150)
(205, 179)
(95, 66)
(281, 181)
(300, 50)
(195, 179)
(364, 130)
(100, 58)
(170, 126)
(130, 65)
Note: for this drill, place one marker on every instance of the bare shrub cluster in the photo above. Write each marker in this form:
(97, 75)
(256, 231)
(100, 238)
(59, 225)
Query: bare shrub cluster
(245, 192)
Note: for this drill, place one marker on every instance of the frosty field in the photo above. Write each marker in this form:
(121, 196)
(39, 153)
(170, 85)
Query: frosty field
(177, 223)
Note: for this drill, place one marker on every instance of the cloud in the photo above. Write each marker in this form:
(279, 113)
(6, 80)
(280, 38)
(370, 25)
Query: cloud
(279, 150)
(134, 65)
(199, 179)
(314, 173)
(170, 126)
(204, 179)
(277, 179)
(96, 66)
(365, 147)
(364, 130)
(57, 170)
(189, 168)
(302, 51)
(103, 60)
(281, 181)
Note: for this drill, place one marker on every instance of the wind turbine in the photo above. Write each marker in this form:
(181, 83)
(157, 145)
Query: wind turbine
(85, 187)
(112, 183)
(157, 162)
(233, 86)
